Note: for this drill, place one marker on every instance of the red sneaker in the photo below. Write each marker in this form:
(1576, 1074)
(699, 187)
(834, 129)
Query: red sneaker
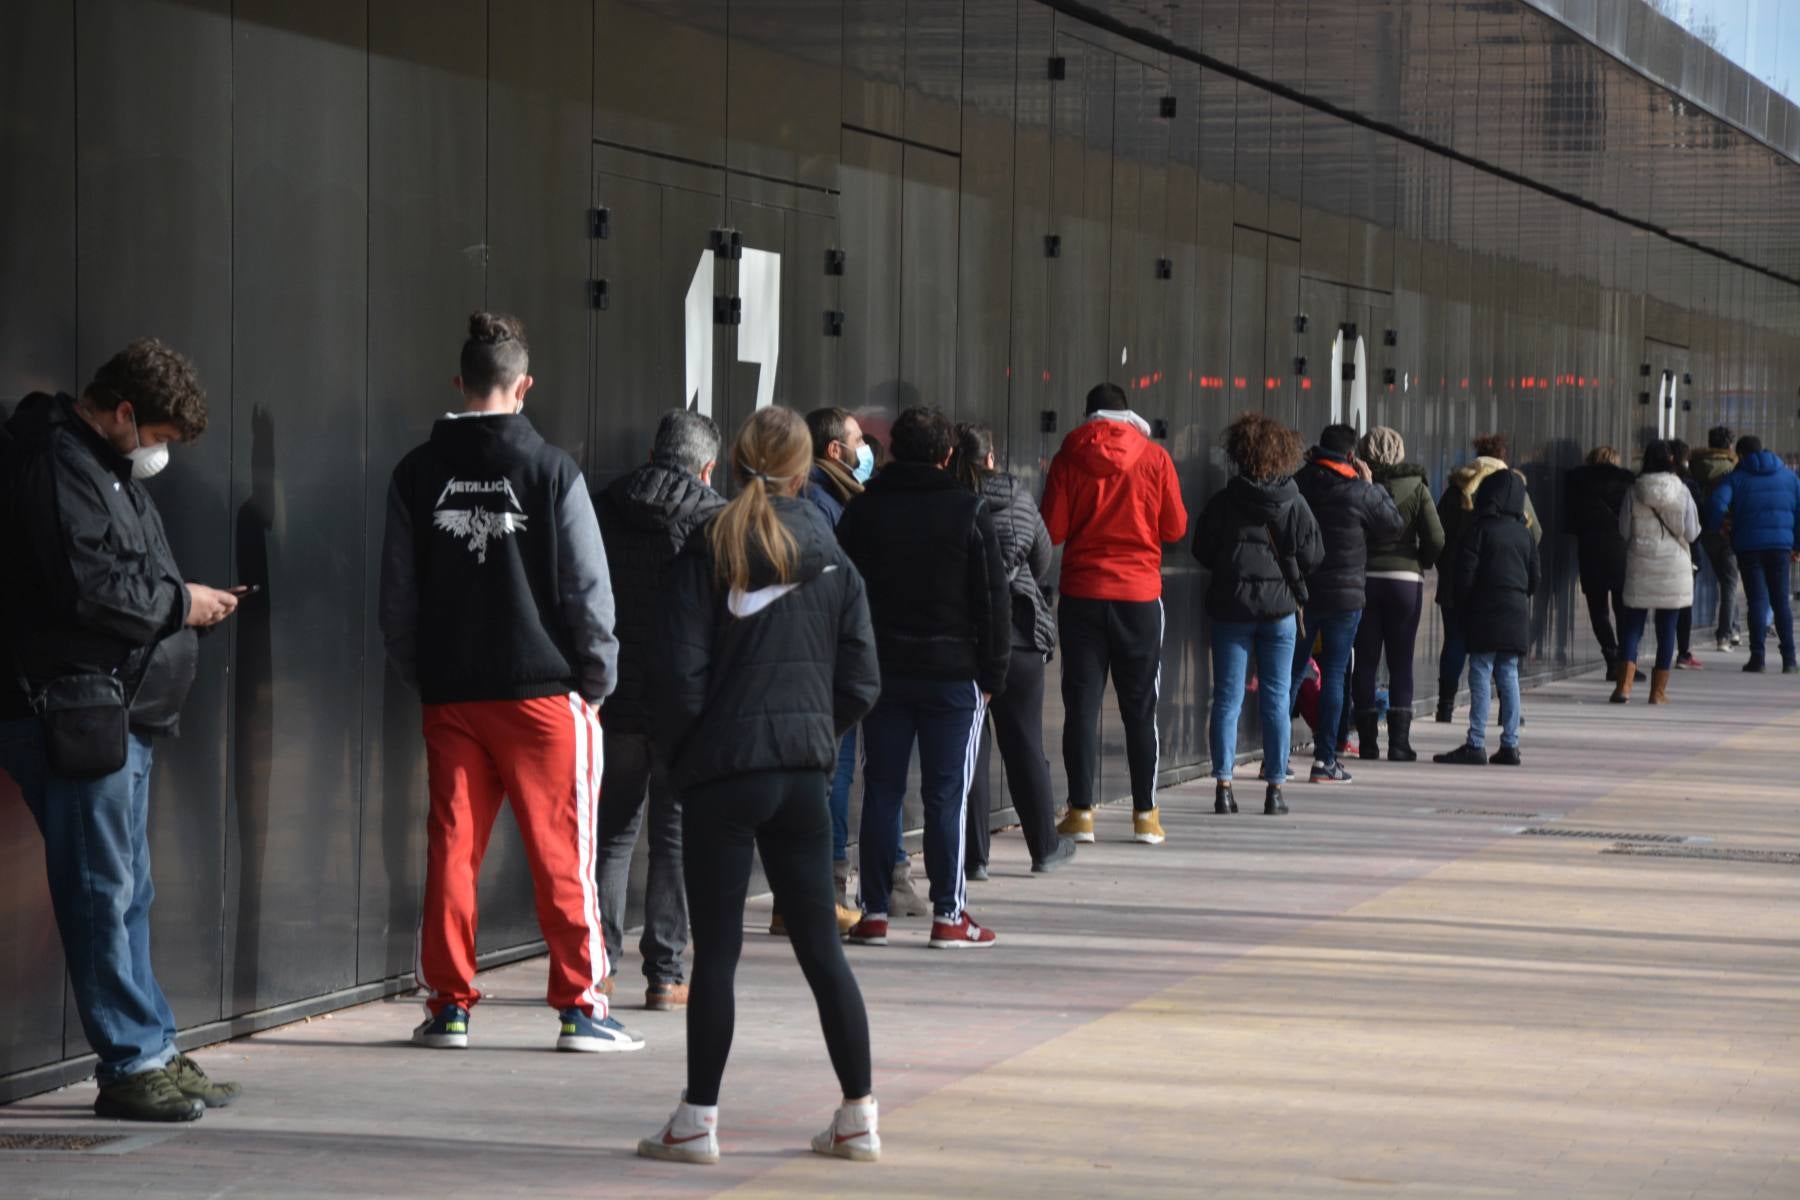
(959, 934)
(870, 931)
(1688, 662)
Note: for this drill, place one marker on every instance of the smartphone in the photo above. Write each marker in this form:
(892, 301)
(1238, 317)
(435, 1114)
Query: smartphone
(245, 589)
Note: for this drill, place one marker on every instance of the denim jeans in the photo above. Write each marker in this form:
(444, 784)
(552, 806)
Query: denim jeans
(1725, 572)
(1232, 643)
(1766, 584)
(634, 772)
(97, 859)
(1631, 635)
(1338, 630)
(1486, 670)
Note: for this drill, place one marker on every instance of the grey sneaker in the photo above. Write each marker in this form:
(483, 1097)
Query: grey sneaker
(906, 900)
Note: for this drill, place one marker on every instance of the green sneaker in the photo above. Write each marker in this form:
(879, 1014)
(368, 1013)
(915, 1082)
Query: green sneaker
(146, 1096)
(191, 1081)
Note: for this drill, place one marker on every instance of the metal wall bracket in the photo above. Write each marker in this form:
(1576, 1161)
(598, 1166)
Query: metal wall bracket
(726, 243)
(834, 324)
(1388, 375)
(1349, 372)
(1059, 68)
(600, 222)
(1047, 421)
(1165, 268)
(728, 310)
(1300, 364)
(598, 295)
(1168, 107)
(834, 262)
(1159, 428)
(1390, 337)
(1052, 246)
(1301, 321)
(1348, 329)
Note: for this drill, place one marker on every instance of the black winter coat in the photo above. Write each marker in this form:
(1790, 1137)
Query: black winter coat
(1596, 494)
(769, 679)
(1255, 538)
(938, 594)
(1496, 569)
(1351, 515)
(646, 518)
(1026, 553)
(93, 586)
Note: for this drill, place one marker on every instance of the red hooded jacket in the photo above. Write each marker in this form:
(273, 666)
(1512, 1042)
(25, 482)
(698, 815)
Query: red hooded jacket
(1114, 499)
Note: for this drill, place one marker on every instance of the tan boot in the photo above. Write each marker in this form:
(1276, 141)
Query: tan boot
(905, 899)
(1659, 687)
(1622, 689)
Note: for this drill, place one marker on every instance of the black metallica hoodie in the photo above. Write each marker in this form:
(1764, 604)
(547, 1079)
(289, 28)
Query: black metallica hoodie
(493, 577)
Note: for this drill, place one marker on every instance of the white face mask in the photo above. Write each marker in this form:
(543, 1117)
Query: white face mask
(146, 460)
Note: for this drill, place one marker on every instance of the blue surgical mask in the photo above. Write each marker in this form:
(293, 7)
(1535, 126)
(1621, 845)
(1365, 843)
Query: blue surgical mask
(865, 463)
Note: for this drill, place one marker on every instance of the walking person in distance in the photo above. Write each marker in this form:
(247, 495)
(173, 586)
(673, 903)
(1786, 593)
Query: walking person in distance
(1660, 525)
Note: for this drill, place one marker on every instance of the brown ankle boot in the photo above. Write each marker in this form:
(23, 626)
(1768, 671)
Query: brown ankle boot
(1659, 687)
(1622, 688)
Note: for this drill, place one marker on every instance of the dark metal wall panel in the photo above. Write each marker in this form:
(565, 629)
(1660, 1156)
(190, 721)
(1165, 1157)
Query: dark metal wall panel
(1028, 444)
(659, 68)
(37, 353)
(540, 114)
(875, 66)
(784, 86)
(934, 72)
(163, 164)
(1080, 272)
(299, 318)
(427, 272)
(869, 223)
(928, 274)
(985, 216)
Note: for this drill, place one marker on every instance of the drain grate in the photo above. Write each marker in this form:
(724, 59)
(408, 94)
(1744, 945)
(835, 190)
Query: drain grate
(68, 1143)
(1488, 812)
(1775, 858)
(1604, 835)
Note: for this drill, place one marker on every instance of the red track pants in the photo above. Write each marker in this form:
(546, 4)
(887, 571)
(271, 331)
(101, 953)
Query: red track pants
(546, 755)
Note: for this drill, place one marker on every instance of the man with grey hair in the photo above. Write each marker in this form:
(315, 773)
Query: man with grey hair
(645, 517)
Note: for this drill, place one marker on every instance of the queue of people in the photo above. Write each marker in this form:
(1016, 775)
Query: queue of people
(742, 650)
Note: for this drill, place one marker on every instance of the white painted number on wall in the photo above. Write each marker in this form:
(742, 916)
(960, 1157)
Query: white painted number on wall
(759, 328)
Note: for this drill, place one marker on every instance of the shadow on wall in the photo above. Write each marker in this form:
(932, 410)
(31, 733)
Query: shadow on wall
(254, 704)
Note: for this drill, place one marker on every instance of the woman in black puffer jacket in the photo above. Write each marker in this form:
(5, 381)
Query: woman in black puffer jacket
(1017, 712)
(768, 657)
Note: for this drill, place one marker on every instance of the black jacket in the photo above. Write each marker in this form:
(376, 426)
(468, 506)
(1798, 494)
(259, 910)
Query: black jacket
(1596, 494)
(1255, 538)
(645, 519)
(937, 584)
(93, 586)
(493, 576)
(1026, 553)
(769, 679)
(1351, 515)
(1496, 568)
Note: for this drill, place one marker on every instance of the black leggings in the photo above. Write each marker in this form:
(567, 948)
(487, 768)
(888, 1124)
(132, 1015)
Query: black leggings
(785, 815)
(1018, 724)
(1390, 622)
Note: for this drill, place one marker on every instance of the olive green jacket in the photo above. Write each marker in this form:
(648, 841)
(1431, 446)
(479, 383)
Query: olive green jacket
(1420, 542)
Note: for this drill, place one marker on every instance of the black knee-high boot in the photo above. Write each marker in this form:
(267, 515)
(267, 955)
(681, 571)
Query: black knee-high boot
(1400, 736)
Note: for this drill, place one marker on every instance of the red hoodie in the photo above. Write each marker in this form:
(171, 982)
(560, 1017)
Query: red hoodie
(1113, 497)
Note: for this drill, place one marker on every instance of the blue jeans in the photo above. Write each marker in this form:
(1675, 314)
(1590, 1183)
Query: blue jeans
(1486, 669)
(841, 780)
(1631, 635)
(1232, 642)
(944, 717)
(1766, 584)
(97, 859)
(1339, 636)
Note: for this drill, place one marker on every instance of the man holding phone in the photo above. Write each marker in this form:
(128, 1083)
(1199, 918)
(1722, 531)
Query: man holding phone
(102, 630)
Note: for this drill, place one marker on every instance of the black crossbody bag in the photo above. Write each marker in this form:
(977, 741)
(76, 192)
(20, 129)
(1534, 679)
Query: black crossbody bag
(87, 722)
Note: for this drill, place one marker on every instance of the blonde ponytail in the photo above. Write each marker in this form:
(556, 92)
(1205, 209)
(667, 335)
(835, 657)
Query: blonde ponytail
(771, 454)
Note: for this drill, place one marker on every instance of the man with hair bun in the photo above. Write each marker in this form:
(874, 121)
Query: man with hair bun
(496, 604)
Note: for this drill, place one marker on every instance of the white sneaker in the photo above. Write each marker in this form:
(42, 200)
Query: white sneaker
(1725, 645)
(691, 1136)
(852, 1134)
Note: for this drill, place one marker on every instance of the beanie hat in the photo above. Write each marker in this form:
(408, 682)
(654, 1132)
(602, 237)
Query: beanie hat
(1383, 446)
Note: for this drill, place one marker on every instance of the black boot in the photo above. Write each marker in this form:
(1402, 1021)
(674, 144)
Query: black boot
(1400, 736)
(1273, 805)
(1223, 800)
(1368, 733)
(1446, 706)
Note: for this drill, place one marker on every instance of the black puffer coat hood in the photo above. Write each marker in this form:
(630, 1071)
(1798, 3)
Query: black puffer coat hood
(646, 517)
(1596, 494)
(1258, 540)
(1496, 568)
(767, 678)
(1352, 515)
(1026, 553)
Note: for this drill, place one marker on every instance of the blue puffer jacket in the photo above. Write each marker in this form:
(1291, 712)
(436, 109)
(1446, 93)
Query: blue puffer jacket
(1762, 498)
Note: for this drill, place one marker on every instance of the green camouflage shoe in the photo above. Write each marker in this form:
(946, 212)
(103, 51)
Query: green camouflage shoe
(146, 1096)
(191, 1081)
